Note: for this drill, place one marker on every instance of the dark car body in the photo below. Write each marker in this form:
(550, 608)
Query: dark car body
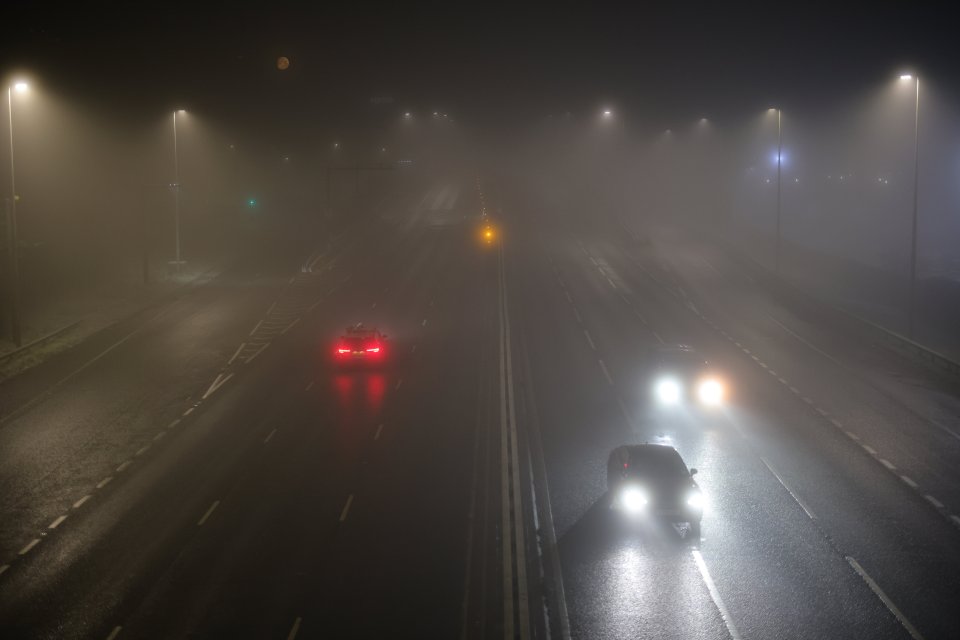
(652, 481)
(360, 345)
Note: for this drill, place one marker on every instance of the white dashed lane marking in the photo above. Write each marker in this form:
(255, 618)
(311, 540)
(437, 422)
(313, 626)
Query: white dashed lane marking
(605, 372)
(294, 629)
(79, 503)
(30, 545)
(215, 504)
(586, 334)
(56, 523)
(346, 508)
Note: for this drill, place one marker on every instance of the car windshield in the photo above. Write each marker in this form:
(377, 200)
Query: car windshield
(681, 360)
(657, 464)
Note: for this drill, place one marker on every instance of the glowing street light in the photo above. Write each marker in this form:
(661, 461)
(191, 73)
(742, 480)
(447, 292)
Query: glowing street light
(19, 87)
(607, 113)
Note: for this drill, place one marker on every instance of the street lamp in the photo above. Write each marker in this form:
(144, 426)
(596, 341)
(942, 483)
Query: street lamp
(776, 251)
(14, 249)
(176, 190)
(912, 304)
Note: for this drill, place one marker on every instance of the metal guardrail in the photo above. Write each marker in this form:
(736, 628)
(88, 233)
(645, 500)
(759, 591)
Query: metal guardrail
(53, 334)
(891, 337)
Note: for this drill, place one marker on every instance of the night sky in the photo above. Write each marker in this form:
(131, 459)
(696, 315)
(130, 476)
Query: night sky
(488, 64)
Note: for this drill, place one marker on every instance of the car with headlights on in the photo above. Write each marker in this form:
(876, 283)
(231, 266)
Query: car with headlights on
(652, 482)
(679, 376)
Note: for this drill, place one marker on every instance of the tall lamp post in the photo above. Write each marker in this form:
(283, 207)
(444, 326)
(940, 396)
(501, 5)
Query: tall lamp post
(176, 191)
(912, 303)
(12, 238)
(776, 252)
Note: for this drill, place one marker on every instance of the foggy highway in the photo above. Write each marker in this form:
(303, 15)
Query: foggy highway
(446, 321)
(458, 491)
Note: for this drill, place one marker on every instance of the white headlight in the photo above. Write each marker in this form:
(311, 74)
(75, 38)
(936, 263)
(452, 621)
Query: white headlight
(695, 500)
(633, 500)
(710, 392)
(668, 391)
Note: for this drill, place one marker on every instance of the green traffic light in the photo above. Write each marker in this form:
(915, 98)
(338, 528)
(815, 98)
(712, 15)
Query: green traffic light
(252, 202)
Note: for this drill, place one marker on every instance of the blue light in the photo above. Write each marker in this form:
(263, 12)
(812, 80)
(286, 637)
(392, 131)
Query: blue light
(773, 158)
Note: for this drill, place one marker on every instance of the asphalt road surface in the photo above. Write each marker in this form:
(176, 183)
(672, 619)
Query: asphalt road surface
(203, 470)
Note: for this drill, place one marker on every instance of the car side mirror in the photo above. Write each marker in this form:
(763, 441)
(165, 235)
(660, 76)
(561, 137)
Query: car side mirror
(693, 471)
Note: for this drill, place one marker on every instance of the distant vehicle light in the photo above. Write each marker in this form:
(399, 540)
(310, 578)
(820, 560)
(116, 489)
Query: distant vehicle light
(710, 392)
(633, 499)
(668, 391)
(373, 350)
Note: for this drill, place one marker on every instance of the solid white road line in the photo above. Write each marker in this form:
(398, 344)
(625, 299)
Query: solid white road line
(294, 629)
(30, 545)
(56, 523)
(346, 508)
(259, 351)
(218, 382)
(715, 595)
(892, 608)
(796, 498)
(215, 504)
(290, 326)
(115, 632)
(236, 353)
(79, 503)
